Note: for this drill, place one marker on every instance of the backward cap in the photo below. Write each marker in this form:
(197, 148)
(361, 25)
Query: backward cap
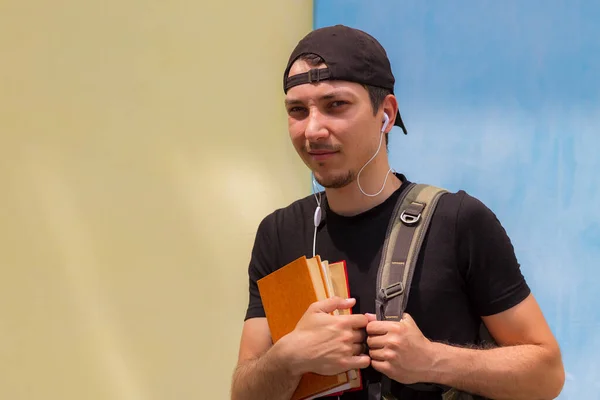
(350, 55)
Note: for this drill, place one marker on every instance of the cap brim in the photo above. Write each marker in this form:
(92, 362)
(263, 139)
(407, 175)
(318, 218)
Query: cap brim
(400, 123)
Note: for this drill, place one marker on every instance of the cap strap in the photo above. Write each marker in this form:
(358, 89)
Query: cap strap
(312, 76)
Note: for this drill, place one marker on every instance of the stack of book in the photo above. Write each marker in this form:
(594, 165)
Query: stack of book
(286, 295)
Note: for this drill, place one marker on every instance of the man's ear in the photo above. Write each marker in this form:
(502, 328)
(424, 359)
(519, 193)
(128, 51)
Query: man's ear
(390, 107)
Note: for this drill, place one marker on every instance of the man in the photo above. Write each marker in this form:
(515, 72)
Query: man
(339, 96)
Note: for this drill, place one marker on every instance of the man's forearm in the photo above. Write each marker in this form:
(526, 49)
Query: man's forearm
(512, 372)
(264, 378)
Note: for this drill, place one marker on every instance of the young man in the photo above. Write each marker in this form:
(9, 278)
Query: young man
(339, 97)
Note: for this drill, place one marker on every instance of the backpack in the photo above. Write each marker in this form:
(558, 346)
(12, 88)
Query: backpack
(406, 231)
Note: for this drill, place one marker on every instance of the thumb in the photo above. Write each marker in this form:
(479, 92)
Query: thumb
(333, 303)
(407, 318)
(410, 323)
(371, 317)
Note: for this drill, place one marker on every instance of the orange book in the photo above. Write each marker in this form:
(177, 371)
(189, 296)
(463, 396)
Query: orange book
(341, 287)
(286, 295)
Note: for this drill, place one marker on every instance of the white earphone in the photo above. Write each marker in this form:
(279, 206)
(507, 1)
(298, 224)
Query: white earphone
(385, 122)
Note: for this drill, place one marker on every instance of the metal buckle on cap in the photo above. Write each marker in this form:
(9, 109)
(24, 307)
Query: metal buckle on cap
(310, 75)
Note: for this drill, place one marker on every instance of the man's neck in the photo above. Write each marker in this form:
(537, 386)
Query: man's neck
(350, 201)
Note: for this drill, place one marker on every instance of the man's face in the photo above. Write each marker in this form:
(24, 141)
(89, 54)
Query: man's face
(332, 127)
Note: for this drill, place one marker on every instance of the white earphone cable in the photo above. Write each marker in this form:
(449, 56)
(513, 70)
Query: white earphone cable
(367, 163)
(317, 216)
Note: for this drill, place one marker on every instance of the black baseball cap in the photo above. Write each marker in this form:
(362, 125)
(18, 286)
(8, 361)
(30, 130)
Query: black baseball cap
(350, 55)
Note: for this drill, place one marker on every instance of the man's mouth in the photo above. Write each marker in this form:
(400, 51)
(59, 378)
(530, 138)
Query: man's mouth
(321, 155)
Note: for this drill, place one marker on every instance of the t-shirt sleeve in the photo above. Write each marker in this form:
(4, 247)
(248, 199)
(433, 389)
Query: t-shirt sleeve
(492, 273)
(261, 264)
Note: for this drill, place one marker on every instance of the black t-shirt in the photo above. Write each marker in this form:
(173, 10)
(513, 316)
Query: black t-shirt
(467, 267)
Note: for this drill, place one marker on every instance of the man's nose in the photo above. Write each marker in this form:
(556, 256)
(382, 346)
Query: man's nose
(315, 128)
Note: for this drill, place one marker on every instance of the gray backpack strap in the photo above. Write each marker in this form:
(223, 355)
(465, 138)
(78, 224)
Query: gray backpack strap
(404, 238)
(406, 231)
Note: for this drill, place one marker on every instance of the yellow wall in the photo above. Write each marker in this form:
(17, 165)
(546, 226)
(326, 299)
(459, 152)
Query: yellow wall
(141, 144)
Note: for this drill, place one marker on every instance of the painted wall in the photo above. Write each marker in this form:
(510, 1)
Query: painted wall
(502, 99)
(140, 145)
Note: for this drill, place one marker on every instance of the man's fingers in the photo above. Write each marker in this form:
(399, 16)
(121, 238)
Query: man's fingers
(358, 362)
(379, 327)
(354, 321)
(358, 349)
(381, 366)
(377, 354)
(333, 303)
(371, 317)
(359, 336)
(376, 342)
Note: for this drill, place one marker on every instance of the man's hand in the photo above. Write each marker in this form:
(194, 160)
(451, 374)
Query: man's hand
(327, 344)
(399, 350)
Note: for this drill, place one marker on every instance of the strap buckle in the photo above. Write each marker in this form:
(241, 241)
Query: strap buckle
(409, 219)
(392, 290)
(314, 75)
(412, 214)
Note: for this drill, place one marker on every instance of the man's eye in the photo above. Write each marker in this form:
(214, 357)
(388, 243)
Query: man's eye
(295, 110)
(337, 103)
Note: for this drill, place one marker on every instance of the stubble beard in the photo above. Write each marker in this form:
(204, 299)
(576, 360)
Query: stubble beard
(337, 181)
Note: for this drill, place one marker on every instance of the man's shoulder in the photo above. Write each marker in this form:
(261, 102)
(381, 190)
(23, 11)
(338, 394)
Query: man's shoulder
(459, 204)
(459, 210)
(450, 202)
(464, 212)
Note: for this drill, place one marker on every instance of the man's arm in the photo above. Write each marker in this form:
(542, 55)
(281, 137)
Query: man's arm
(528, 364)
(321, 343)
(260, 373)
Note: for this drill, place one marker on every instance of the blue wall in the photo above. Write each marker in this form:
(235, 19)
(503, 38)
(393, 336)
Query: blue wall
(502, 99)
